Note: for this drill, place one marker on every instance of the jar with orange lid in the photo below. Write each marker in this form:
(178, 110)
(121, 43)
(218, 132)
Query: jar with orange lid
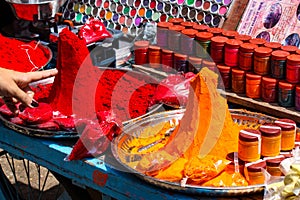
(258, 41)
(200, 27)
(269, 89)
(231, 52)
(174, 37)
(273, 164)
(188, 25)
(270, 140)
(261, 62)
(273, 45)
(167, 59)
(141, 52)
(288, 133)
(162, 34)
(278, 63)
(254, 172)
(154, 56)
(253, 85)
(203, 46)
(195, 64)
(209, 64)
(297, 98)
(231, 167)
(176, 21)
(243, 38)
(217, 48)
(225, 72)
(289, 48)
(249, 145)
(187, 41)
(298, 51)
(286, 94)
(238, 78)
(230, 34)
(180, 62)
(245, 56)
(292, 68)
(215, 31)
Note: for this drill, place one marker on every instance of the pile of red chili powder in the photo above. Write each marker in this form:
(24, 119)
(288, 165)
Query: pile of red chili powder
(22, 56)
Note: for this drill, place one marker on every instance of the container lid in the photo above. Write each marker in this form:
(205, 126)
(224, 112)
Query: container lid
(262, 51)
(176, 21)
(200, 27)
(253, 76)
(164, 24)
(246, 135)
(294, 58)
(286, 124)
(238, 72)
(218, 40)
(204, 36)
(176, 28)
(275, 162)
(178, 56)
(269, 81)
(273, 45)
(195, 60)
(298, 51)
(230, 157)
(187, 24)
(257, 166)
(233, 43)
(215, 31)
(258, 41)
(154, 48)
(189, 32)
(280, 55)
(286, 85)
(248, 47)
(166, 51)
(289, 48)
(244, 38)
(270, 130)
(229, 33)
(141, 44)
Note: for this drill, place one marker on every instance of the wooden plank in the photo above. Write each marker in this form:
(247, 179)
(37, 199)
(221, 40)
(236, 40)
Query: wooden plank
(272, 109)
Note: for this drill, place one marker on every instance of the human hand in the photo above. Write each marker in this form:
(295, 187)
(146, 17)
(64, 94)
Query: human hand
(14, 87)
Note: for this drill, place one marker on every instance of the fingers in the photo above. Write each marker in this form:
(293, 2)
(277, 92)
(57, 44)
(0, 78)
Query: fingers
(11, 105)
(39, 75)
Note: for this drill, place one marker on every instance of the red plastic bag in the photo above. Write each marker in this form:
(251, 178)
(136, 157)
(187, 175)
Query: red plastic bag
(93, 31)
(173, 90)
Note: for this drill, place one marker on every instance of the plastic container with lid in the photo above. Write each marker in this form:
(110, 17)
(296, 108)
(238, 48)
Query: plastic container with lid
(217, 48)
(203, 46)
(270, 140)
(243, 38)
(278, 63)
(254, 172)
(141, 52)
(292, 68)
(245, 56)
(238, 78)
(269, 89)
(273, 164)
(297, 98)
(261, 63)
(231, 52)
(162, 34)
(288, 133)
(253, 85)
(187, 24)
(230, 34)
(286, 94)
(289, 48)
(200, 27)
(154, 56)
(273, 45)
(249, 145)
(258, 41)
(187, 41)
(174, 37)
(215, 31)
(167, 58)
(195, 64)
(225, 72)
(176, 21)
(180, 62)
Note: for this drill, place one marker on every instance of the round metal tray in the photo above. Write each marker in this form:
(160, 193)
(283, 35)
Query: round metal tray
(131, 131)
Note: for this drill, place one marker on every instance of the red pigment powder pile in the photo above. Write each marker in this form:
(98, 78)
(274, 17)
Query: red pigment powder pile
(13, 55)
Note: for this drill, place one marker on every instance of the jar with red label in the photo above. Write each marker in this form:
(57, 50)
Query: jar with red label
(269, 89)
(203, 46)
(253, 85)
(225, 75)
(215, 31)
(180, 62)
(141, 52)
(217, 48)
(249, 145)
(174, 37)
(243, 38)
(195, 64)
(238, 78)
(288, 133)
(297, 98)
(154, 56)
(286, 94)
(167, 57)
(254, 172)
(187, 41)
(245, 57)
(231, 52)
(258, 41)
(270, 140)
(162, 34)
(289, 48)
(278, 63)
(261, 63)
(292, 68)
(230, 34)
(273, 166)
(200, 27)
(273, 45)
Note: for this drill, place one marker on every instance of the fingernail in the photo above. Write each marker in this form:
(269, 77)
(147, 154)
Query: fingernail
(34, 103)
(22, 107)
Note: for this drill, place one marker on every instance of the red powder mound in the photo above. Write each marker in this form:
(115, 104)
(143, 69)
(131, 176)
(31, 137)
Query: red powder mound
(13, 55)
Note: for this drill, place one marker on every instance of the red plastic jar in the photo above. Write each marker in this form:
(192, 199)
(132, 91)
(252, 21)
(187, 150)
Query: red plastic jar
(230, 34)
(273, 45)
(174, 37)
(245, 58)
(261, 63)
(249, 145)
(254, 173)
(253, 85)
(200, 27)
(273, 166)
(187, 41)
(154, 56)
(278, 63)
(141, 52)
(258, 41)
(215, 31)
(217, 48)
(167, 57)
(188, 25)
(225, 72)
(289, 48)
(292, 68)
(231, 52)
(176, 21)
(243, 38)
(271, 140)
(238, 78)
(162, 33)
(297, 98)
(269, 89)
(180, 62)
(195, 64)
(203, 46)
